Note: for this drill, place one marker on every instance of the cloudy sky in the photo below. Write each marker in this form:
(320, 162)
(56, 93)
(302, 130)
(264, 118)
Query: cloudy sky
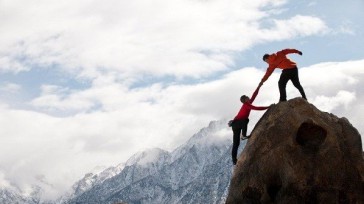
(89, 83)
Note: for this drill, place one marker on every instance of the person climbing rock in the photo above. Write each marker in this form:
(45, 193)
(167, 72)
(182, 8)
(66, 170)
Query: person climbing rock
(289, 71)
(240, 123)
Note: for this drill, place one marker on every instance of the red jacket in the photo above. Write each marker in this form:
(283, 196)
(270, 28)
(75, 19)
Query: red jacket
(247, 107)
(279, 60)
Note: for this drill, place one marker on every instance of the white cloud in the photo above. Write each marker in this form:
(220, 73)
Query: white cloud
(4, 183)
(58, 98)
(7, 64)
(10, 87)
(180, 38)
(296, 26)
(347, 27)
(342, 98)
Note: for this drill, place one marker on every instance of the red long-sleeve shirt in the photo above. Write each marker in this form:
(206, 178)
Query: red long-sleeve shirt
(247, 107)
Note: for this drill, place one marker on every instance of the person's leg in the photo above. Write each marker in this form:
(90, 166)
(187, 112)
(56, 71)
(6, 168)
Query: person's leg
(296, 82)
(236, 140)
(244, 128)
(282, 85)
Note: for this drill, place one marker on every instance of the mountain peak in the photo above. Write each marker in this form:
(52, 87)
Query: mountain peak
(298, 154)
(148, 156)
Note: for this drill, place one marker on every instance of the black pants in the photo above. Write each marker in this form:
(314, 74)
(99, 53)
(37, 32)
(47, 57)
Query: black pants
(239, 126)
(289, 74)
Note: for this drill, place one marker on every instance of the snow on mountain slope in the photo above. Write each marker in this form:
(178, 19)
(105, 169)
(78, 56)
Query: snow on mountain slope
(196, 172)
(12, 196)
(90, 180)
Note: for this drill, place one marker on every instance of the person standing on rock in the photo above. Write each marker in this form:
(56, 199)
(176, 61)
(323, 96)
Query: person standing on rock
(240, 123)
(289, 71)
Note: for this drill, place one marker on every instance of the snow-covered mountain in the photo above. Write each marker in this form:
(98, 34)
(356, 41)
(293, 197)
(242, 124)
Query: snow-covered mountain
(199, 171)
(14, 196)
(88, 181)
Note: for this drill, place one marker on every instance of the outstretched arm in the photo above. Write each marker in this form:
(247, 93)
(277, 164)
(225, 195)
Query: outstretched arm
(289, 51)
(254, 94)
(257, 107)
(269, 71)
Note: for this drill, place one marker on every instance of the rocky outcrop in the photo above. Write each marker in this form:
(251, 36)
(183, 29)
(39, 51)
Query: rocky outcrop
(298, 154)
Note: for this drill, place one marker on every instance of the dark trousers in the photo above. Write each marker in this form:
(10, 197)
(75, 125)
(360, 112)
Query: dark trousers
(289, 74)
(239, 126)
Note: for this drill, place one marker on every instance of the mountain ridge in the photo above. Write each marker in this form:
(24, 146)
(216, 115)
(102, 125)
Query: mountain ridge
(177, 175)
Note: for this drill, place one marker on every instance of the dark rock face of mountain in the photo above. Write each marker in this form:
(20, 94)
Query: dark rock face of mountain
(298, 154)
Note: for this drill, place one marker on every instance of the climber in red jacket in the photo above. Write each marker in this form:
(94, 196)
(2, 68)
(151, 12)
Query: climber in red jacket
(289, 71)
(240, 123)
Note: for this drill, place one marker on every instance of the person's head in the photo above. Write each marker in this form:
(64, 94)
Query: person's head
(265, 57)
(244, 98)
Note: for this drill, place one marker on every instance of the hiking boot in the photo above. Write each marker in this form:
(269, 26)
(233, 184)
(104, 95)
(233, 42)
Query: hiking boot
(245, 137)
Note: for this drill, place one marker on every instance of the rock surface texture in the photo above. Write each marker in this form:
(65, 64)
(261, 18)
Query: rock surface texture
(298, 154)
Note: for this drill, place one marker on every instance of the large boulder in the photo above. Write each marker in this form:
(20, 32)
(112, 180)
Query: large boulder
(298, 154)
